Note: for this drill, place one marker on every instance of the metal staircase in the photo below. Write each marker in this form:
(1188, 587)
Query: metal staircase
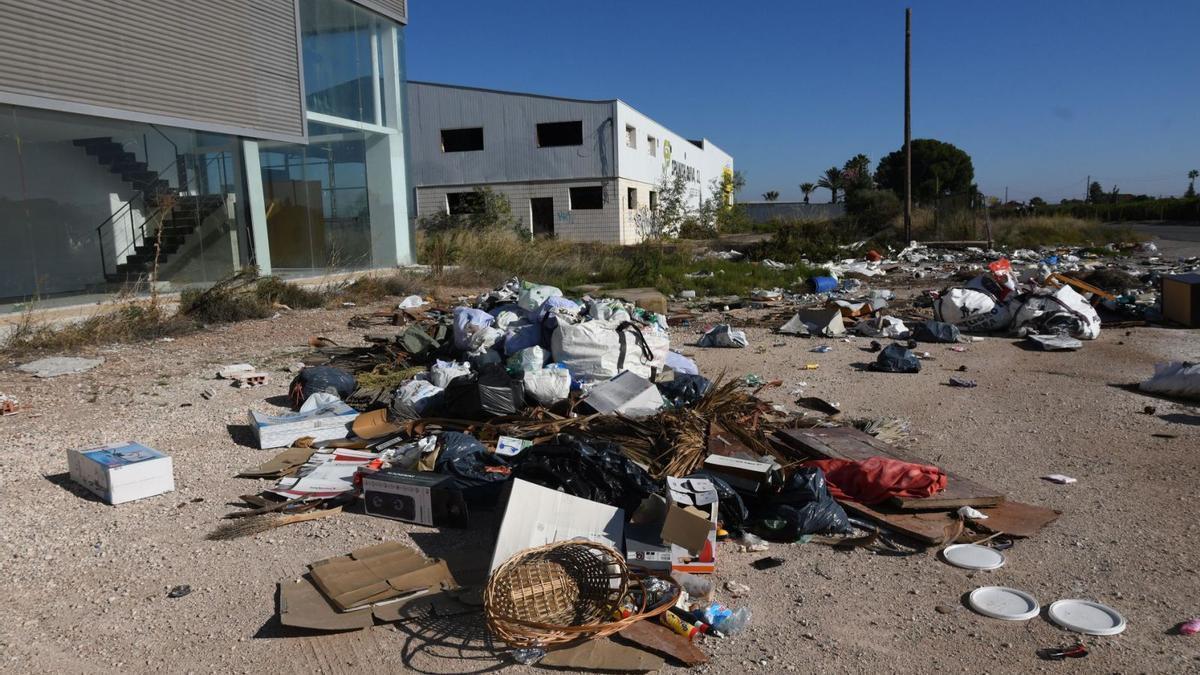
(157, 219)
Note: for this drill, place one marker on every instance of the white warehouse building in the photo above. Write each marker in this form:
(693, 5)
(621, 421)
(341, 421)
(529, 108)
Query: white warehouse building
(575, 169)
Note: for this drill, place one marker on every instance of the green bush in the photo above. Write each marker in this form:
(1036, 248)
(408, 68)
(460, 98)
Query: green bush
(873, 209)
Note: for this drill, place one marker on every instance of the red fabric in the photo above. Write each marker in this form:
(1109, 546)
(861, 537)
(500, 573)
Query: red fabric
(877, 479)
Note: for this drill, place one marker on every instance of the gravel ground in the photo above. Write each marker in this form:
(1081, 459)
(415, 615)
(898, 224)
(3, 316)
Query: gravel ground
(85, 584)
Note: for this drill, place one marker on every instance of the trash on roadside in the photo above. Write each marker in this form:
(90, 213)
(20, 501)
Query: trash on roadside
(1054, 343)
(935, 331)
(1059, 478)
(179, 591)
(722, 335)
(1191, 627)
(411, 302)
(121, 472)
(970, 513)
(315, 379)
(1000, 602)
(819, 322)
(877, 479)
(535, 516)
(626, 394)
(882, 326)
(1073, 651)
(896, 359)
(819, 404)
(743, 474)
(1174, 378)
(425, 498)
(228, 372)
(1087, 617)
(326, 423)
(55, 366)
(353, 590)
(767, 563)
(9, 405)
(1181, 299)
(962, 382)
(821, 349)
(973, 557)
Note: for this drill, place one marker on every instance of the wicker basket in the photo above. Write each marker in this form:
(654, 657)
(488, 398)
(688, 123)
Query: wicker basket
(557, 593)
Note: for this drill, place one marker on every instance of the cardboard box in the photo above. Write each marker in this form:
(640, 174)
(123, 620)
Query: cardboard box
(121, 472)
(424, 498)
(679, 534)
(1181, 299)
(323, 424)
(742, 474)
(536, 515)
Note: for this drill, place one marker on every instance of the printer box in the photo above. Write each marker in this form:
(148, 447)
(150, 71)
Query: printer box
(121, 472)
(425, 498)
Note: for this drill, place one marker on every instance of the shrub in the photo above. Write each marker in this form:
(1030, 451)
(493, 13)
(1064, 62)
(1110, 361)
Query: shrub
(873, 209)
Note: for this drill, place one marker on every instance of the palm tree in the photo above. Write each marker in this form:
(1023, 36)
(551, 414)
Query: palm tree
(771, 195)
(831, 180)
(1192, 176)
(808, 189)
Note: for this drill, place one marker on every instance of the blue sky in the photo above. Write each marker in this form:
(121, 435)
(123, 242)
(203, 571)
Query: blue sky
(1040, 94)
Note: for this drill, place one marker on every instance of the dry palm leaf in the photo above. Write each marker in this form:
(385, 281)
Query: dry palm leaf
(265, 522)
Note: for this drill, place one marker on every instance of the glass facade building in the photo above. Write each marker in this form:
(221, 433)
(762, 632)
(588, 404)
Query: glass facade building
(90, 203)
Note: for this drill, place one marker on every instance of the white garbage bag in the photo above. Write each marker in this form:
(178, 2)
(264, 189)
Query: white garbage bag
(530, 358)
(1057, 310)
(532, 297)
(411, 302)
(723, 335)
(468, 322)
(413, 398)
(599, 350)
(972, 310)
(1176, 378)
(883, 326)
(444, 372)
(548, 385)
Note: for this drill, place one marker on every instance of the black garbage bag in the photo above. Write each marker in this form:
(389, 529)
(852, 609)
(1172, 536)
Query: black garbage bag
(480, 474)
(684, 389)
(490, 394)
(803, 506)
(897, 359)
(587, 468)
(320, 379)
(730, 506)
(935, 331)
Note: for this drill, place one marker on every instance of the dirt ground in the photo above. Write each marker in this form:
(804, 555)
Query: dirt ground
(85, 584)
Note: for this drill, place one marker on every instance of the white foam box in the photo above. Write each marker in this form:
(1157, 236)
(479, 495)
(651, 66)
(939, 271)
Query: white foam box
(121, 472)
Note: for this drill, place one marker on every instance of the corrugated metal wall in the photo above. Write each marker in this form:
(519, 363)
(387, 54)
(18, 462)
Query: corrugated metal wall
(220, 65)
(509, 124)
(393, 9)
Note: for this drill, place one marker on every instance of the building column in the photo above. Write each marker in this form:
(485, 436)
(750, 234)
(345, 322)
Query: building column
(258, 206)
(387, 201)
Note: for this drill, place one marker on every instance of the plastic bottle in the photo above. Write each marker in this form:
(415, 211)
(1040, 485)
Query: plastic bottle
(527, 656)
(736, 622)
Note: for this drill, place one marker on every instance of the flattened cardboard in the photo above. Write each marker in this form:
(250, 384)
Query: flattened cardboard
(376, 573)
(536, 515)
(301, 605)
(603, 654)
(374, 424)
(280, 465)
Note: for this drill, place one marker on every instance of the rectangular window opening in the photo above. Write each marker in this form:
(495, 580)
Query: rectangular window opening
(462, 140)
(630, 136)
(463, 203)
(556, 134)
(653, 200)
(652, 146)
(631, 197)
(587, 198)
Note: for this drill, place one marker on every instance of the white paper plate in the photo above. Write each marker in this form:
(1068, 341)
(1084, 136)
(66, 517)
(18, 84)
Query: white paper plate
(1000, 602)
(1083, 616)
(973, 557)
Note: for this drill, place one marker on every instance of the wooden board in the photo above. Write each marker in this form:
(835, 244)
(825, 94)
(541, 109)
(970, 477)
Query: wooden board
(850, 443)
(1017, 519)
(927, 527)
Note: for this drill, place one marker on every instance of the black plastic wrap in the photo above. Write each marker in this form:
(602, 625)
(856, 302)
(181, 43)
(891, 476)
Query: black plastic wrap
(803, 506)
(316, 379)
(594, 470)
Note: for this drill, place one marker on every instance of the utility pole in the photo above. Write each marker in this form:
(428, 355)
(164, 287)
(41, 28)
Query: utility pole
(1087, 189)
(908, 125)
(1005, 194)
